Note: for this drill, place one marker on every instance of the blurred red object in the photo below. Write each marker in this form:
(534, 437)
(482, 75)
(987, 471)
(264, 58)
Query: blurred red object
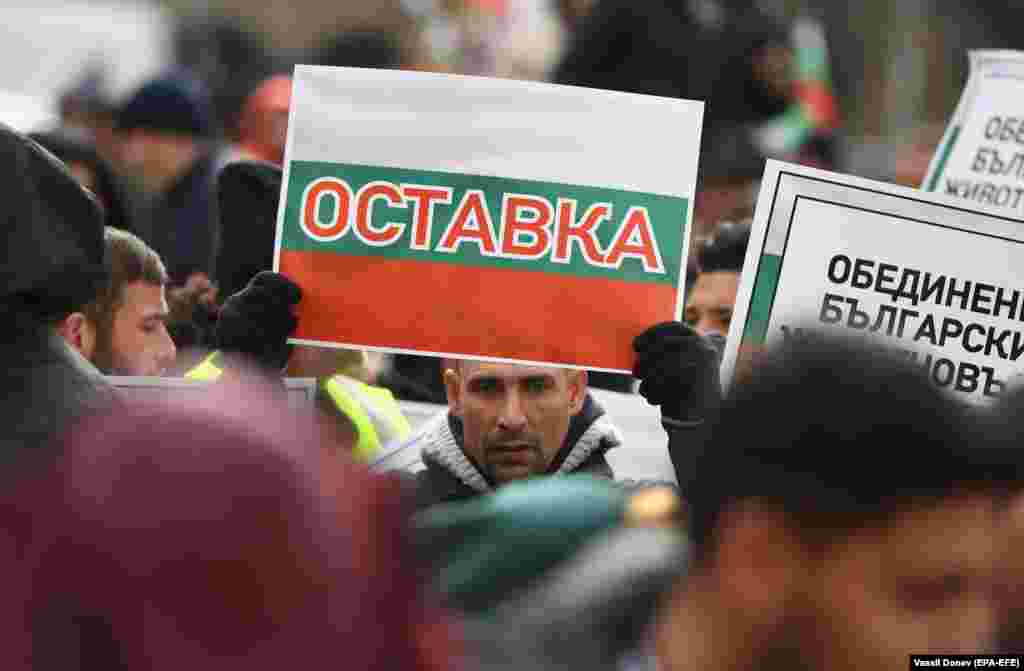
(209, 534)
(263, 123)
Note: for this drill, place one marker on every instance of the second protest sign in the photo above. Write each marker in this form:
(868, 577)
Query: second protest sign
(914, 271)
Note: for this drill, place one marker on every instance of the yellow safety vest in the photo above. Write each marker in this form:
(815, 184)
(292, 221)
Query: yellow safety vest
(373, 411)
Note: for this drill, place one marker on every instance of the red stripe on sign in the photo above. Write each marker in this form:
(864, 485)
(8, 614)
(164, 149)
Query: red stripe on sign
(494, 312)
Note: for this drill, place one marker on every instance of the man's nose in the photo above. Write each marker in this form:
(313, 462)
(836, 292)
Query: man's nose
(167, 351)
(512, 417)
(704, 326)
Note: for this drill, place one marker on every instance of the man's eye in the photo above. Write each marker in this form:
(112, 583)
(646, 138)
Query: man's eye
(928, 595)
(486, 386)
(536, 386)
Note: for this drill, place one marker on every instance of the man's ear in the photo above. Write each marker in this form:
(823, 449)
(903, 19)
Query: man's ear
(79, 333)
(577, 390)
(453, 389)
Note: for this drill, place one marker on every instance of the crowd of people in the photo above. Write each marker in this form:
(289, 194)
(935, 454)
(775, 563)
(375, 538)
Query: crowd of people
(833, 510)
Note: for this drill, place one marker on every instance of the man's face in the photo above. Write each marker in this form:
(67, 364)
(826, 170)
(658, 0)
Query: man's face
(142, 156)
(515, 418)
(139, 342)
(921, 584)
(709, 306)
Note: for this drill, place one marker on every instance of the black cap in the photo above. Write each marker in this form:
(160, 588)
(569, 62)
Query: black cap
(172, 103)
(51, 258)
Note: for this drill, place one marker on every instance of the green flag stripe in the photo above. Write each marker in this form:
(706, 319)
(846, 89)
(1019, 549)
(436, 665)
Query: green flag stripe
(667, 216)
(761, 301)
(946, 150)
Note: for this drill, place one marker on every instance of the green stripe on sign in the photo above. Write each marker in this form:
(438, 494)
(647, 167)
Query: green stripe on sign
(392, 205)
(761, 301)
(946, 150)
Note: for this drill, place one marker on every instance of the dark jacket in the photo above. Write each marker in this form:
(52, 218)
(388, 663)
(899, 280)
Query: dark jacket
(450, 475)
(45, 386)
(51, 263)
(184, 221)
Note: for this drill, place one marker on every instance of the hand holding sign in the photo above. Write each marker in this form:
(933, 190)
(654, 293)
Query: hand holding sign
(258, 320)
(678, 370)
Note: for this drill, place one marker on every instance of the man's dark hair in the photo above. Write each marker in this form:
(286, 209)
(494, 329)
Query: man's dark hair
(725, 249)
(838, 436)
(128, 260)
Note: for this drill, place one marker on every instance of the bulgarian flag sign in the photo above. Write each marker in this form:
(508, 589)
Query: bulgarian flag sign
(484, 218)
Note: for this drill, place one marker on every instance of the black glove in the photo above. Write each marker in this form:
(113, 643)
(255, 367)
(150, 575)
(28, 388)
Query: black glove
(678, 370)
(257, 320)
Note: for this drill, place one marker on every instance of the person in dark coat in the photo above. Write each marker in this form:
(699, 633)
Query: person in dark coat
(51, 264)
(165, 136)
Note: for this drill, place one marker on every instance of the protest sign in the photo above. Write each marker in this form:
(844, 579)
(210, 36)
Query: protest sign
(484, 218)
(981, 156)
(917, 272)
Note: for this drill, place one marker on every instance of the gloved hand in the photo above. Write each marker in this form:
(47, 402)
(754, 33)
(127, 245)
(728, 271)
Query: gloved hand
(678, 370)
(257, 320)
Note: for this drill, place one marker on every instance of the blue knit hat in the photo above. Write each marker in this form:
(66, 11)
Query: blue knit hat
(173, 102)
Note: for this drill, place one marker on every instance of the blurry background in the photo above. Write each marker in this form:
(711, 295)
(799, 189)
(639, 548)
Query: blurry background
(896, 67)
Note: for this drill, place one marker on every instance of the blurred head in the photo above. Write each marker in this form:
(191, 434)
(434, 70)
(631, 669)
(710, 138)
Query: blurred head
(710, 301)
(263, 124)
(123, 330)
(160, 127)
(360, 49)
(816, 545)
(52, 249)
(254, 545)
(86, 165)
(731, 167)
(514, 418)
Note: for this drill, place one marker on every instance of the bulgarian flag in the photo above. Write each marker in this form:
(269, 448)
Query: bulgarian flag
(484, 218)
(815, 111)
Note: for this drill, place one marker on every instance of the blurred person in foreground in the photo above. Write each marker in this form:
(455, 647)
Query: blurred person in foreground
(277, 556)
(123, 329)
(809, 555)
(52, 265)
(556, 573)
(165, 133)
